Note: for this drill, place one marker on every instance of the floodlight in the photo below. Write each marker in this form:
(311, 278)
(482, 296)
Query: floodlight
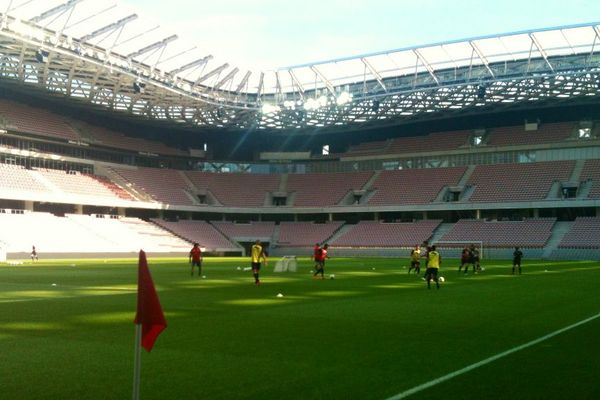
(343, 98)
(311, 104)
(269, 108)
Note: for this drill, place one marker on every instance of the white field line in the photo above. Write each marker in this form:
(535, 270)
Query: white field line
(471, 367)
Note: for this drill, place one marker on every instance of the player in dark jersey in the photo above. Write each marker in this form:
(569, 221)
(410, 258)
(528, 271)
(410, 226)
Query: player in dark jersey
(196, 258)
(465, 259)
(475, 259)
(517, 255)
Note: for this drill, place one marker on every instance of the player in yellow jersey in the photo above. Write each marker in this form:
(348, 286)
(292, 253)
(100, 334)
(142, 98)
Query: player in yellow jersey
(257, 255)
(415, 260)
(434, 262)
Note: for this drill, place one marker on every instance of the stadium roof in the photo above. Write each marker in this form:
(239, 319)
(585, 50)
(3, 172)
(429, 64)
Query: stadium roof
(105, 54)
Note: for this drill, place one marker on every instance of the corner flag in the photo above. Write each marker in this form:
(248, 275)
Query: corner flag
(149, 312)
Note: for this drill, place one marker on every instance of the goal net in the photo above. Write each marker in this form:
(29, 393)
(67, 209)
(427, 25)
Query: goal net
(453, 248)
(286, 264)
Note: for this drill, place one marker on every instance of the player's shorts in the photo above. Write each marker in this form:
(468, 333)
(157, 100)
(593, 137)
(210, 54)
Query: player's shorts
(196, 263)
(432, 273)
(321, 264)
(415, 263)
(255, 266)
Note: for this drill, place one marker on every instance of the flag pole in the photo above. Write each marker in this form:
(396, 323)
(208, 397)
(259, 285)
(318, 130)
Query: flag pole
(137, 362)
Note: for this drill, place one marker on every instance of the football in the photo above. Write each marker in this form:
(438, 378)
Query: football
(332, 276)
(441, 279)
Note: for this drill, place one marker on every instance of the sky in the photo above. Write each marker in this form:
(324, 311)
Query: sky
(267, 34)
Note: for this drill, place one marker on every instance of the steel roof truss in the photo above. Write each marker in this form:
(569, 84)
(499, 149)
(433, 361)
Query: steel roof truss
(214, 72)
(109, 28)
(296, 81)
(427, 65)
(227, 78)
(541, 50)
(60, 9)
(195, 63)
(323, 79)
(154, 46)
(374, 73)
(482, 58)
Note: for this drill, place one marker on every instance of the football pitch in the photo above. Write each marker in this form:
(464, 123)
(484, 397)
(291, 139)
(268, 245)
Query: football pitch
(373, 332)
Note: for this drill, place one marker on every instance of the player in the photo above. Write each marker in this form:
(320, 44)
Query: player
(517, 255)
(475, 259)
(196, 258)
(257, 256)
(321, 263)
(415, 260)
(465, 259)
(34, 255)
(434, 263)
(317, 255)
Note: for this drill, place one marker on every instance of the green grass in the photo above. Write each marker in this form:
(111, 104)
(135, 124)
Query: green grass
(368, 334)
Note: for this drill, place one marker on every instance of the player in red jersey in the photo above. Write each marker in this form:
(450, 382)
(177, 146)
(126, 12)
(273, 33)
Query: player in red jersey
(196, 258)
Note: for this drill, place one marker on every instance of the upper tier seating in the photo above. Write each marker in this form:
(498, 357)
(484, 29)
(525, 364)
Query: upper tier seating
(526, 233)
(380, 234)
(517, 182)
(584, 234)
(164, 185)
(413, 186)
(23, 118)
(247, 231)
(591, 170)
(197, 231)
(305, 233)
(436, 141)
(104, 137)
(517, 135)
(236, 189)
(324, 189)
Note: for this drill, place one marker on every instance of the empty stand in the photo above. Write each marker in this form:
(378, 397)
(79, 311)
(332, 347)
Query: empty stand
(437, 141)
(23, 118)
(236, 189)
(305, 233)
(83, 234)
(15, 178)
(198, 231)
(413, 186)
(526, 233)
(246, 231)
(104, 137)
(591, 171)
(584, 234)
(517, 182)
(324, 189)
(381, 234)
(517, 135)
(164, 185)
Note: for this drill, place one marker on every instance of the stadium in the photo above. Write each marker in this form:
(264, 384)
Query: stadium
(116, 138)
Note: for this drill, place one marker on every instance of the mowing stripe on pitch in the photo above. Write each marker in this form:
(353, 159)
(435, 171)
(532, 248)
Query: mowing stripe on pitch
(471, 367)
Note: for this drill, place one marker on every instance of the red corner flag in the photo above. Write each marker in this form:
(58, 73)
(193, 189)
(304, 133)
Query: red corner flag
(149, 312)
